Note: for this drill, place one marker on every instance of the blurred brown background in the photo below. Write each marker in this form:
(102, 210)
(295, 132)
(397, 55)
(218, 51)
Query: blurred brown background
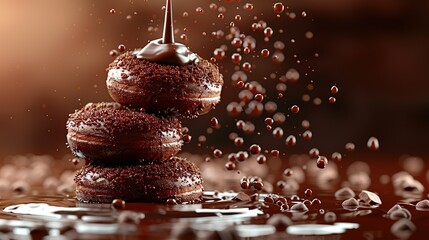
(53, 56)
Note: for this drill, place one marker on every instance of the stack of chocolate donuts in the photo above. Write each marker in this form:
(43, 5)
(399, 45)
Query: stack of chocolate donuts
(130, 145)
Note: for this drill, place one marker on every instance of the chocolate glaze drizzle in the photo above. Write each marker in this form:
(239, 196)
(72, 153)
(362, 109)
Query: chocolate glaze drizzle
(168, 34)
(166, 50)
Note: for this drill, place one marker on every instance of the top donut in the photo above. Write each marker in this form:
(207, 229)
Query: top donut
(164, 89)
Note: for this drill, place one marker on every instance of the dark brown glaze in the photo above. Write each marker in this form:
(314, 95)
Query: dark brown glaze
(188, 90)
(174, 178)
(110, 132)
(167, 53)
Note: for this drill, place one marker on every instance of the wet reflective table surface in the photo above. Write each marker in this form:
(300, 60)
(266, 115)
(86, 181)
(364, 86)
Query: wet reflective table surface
(32, 212)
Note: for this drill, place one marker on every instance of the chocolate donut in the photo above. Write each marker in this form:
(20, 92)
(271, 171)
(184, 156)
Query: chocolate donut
(186, 90)
(109, 132)
(155, 181)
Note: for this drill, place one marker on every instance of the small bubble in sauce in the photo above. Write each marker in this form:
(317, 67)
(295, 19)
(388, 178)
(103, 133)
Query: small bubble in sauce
(278, 132)
(281, 87)
(217, 153)
(330, 217)
(245, 96)
(275, 153)
(242, 155)
(254, 108)
(265, 53)
(214, 122)
(112, 11)
(230, 166)
(240, 124)
(268, 199)
(113, 53)
(268, 32)
(118, 203)
(373, 143)
(278, 57)
(307, 134)
(305, 124)
(317, 101)
(237, 42)
(334, 89)
(295, 197)
(75, 161)
(171, 201)
(291, 140)
(248, 6)
(281, 184)
(213, 6)
(305, 98)
(288, 172)
(308, 192)
(232, 136)
(199, 10)
(261, 159)
(232, 157)
(281, 200)
(279, 45)
(322, 162)
(259, 97)
(270, 107)
(332, 100)
(313, 153)
(247, 66)
(238, 141)
(249, 128)
(122, 48)
(278, 7)
(292, 75)
(244, 183)
(258, 185)
(294, 109)
(187, 138)
(269, 121)
(249, 86)
(255, 149)
(202, 139)
(350, 147)
(279, 118)
(21, 186)
(219, 53)
(309, 35)
(336, 156)
(234, 109)
(236, 58)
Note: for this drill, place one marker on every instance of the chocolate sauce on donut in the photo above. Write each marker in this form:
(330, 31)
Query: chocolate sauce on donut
(166, 50)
